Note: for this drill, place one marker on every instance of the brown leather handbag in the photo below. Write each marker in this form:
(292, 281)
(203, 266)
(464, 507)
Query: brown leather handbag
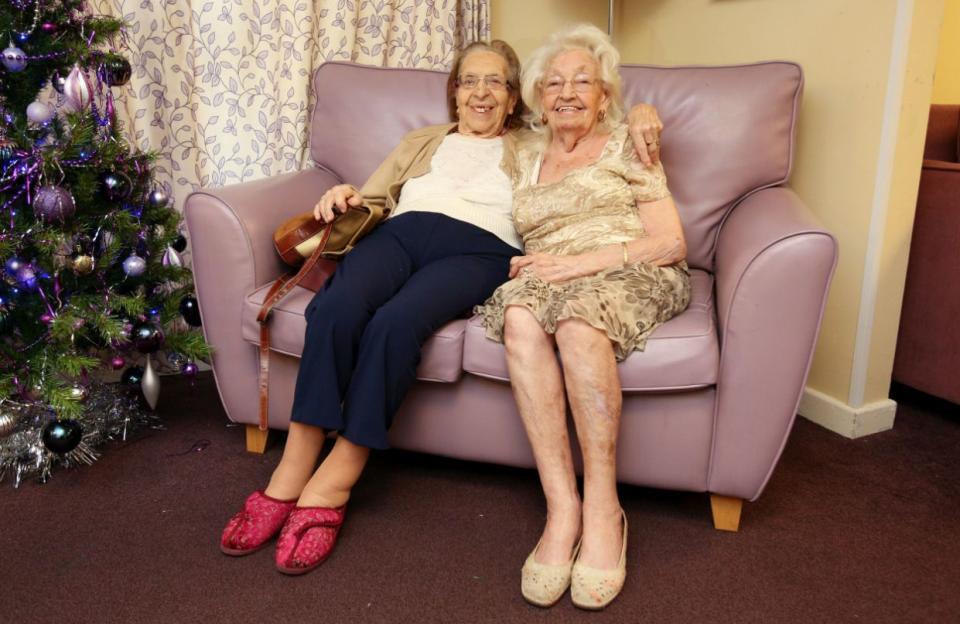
(314, 246)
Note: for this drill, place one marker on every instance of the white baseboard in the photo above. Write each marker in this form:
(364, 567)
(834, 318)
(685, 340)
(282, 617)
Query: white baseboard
(851, 422)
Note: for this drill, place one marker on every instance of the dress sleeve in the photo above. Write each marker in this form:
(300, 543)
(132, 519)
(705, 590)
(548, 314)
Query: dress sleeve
(647, 183)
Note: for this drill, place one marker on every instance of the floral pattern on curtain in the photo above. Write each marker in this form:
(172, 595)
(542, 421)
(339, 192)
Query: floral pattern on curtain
(221, 89)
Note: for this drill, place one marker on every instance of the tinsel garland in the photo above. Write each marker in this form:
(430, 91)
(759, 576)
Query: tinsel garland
(110, 412)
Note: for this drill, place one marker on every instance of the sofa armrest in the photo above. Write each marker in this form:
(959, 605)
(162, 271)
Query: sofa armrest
(774, 264)
(231, 237)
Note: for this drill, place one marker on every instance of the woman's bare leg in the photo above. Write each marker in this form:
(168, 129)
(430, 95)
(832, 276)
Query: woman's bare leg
(593, 389)
(300, 453)
(538, 390)
(330, 485)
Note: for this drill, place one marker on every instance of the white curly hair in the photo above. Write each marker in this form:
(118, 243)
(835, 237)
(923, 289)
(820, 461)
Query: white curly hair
(577, 37)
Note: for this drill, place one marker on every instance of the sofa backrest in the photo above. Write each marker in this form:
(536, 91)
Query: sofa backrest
(729, 130)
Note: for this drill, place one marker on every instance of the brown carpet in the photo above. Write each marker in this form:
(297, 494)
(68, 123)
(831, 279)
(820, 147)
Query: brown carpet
(847, 531)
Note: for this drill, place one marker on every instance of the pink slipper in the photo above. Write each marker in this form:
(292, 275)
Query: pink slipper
(308, 537)
(250, 529)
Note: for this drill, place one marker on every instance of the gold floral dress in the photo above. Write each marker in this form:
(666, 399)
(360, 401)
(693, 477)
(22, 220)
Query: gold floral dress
(589, 208)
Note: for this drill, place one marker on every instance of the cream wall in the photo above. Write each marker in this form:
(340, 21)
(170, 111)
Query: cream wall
(868, 67)
(524, 23)
(946, 84)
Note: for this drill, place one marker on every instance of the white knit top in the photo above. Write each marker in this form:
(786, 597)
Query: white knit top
(465, 182)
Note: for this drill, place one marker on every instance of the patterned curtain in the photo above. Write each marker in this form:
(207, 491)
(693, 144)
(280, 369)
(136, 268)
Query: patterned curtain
(221, 91)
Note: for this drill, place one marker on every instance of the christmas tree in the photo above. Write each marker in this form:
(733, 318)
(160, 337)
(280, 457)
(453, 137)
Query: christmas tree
(93, 279)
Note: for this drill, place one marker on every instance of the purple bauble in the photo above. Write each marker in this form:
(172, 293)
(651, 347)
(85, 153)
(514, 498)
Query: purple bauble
(134, 266)
(49, 27)
(147, 337)
(53, 203)
(189, 370)
(46, 318)
(27, 278)
(117, 362)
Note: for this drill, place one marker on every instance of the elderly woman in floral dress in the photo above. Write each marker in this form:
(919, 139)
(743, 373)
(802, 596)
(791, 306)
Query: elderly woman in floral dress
(604, 266)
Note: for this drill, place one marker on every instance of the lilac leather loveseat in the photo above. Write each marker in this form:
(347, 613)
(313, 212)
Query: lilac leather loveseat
(707, 407)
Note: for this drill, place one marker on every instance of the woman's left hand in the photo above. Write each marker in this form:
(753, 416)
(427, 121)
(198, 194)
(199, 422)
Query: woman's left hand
(548, 267)
(645, 129)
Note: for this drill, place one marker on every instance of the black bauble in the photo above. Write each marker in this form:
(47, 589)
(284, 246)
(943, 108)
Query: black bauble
(180, 243)
(132, 376)
(190, 310)
(115, 186)
(147, 337)
(62, 436)
(117, 70)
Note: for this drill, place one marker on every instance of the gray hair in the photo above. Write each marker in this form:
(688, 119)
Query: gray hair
(578, 37)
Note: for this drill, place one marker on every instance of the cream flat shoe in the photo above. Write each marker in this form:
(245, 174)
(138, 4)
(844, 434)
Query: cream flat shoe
(543, 584)
(594, 589)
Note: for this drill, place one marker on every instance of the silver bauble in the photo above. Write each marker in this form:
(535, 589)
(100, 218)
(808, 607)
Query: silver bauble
(14, 59)
(134, 266)
(150, 385)
(77, 88)
(78, 393)
(39, 112)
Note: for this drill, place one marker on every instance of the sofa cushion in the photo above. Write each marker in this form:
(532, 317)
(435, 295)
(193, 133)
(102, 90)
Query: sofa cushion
(440, 358)
(681, 354)
(729, 129)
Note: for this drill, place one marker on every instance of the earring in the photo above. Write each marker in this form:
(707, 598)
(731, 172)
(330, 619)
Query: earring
(601, 115)
(543, 118)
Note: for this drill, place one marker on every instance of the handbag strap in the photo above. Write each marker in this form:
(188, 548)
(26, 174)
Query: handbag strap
(280, 289)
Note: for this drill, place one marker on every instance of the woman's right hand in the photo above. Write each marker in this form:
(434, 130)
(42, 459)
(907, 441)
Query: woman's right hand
(335, 201)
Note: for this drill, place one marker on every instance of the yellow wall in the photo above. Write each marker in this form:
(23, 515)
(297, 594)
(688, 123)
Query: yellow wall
(524, 23)
(845, 49)
(946, 85)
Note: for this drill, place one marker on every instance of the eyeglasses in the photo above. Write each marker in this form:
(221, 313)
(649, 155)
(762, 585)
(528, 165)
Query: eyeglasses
(580, 84)
(493, 82)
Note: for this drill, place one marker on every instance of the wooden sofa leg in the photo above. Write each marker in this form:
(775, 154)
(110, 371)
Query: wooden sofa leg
(726, 512)
(256, 439)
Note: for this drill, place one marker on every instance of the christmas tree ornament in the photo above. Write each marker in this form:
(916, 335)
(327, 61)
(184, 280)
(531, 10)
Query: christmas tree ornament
(8, 422)
(134, 266)
(58, 82)
(132, 376)
(62, 436)
(7, 149)
(147, 337)
(78, 393)
(117, 362)
(104, 239)
(190, 310)
(77, 89)
(189, 370)
(176, 360)
(171, 258)
(150, 385)
(53, 204)
(158, 198)
(180, 243)
(46, 318)
(13, 58)
(49, 28)
(27, 278)
(115, 186)
(117, 70)
(39, 112)
(82, 264)
(12, 265)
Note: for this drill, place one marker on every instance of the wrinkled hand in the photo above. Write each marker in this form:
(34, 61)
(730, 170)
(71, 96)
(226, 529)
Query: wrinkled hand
(645, 129)
(549, 268)
(335, 201)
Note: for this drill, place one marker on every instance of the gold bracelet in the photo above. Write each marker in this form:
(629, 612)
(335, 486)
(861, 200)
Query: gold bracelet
(626, 256)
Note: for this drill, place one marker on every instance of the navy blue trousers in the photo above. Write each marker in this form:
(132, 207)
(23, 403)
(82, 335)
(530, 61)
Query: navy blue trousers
(366, 326)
